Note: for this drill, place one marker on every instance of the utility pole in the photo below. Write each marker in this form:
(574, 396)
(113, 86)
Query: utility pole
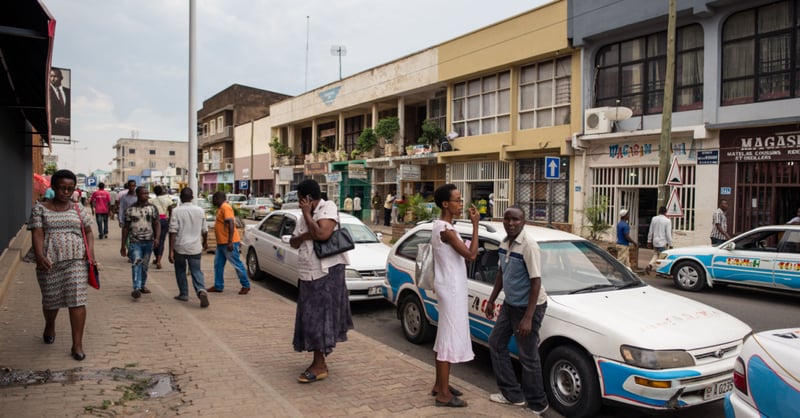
(665, 146)
(252, 169)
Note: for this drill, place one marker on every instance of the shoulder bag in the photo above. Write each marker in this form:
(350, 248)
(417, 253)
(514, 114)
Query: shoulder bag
(340, 241)
(424, 269)
(94, 273)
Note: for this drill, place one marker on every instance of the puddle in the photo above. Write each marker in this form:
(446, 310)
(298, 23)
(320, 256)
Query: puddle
(153, 385)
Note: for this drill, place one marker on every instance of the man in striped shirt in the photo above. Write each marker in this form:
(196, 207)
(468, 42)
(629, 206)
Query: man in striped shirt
(719, 230)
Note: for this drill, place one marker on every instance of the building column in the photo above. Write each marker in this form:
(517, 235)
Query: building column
(313, 135)
(401, 116)
(374, 115)
(340, 132)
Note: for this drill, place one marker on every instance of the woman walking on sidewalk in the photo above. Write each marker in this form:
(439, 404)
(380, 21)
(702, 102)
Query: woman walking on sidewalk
(60, 255)
(323, 308)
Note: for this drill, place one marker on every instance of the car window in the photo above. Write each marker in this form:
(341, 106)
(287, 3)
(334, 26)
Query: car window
(408, 248)
(791, 243)
(272, 225)
(484, 268)
(574, 266)
(766, 241)
(360, 233)
(288, 226)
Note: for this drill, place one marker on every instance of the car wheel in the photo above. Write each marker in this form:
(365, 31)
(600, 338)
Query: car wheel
(253, 215)
(571, 382)
(415, 324)
(253, 270)
(688, 275)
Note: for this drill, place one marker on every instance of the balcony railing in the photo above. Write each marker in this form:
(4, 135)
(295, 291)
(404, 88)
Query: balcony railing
(226, 134)
(212, 166)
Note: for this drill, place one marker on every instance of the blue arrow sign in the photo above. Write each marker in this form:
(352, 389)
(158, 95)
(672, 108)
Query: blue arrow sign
(552, 167)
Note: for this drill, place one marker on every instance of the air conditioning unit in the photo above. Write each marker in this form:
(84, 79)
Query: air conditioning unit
(596, 121)
(228, 166)
(205, 166)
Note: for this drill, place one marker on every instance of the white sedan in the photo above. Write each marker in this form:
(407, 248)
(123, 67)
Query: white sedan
(267, 250)
(258, 207)
(606, 337)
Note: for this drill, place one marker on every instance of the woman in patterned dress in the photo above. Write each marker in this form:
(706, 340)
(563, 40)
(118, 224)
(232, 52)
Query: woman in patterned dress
(60, 253)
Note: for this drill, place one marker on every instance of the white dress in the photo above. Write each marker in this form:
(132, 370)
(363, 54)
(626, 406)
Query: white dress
(453, 343)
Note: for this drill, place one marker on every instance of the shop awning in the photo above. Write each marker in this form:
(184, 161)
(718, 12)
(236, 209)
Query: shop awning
(26, 41)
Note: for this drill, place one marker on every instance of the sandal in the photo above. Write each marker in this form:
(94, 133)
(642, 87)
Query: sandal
(454, 402)
(309, 377)
(453, 390)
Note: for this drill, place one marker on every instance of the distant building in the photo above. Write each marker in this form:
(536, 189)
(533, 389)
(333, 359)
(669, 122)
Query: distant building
(150, 162)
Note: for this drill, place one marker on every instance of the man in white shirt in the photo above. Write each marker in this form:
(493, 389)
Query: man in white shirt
(188, 238)
(660, 236)
(357, 206)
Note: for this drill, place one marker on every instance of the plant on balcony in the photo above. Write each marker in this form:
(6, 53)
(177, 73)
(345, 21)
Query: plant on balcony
(387, 129)
(279, 148)
(431, 133)
(366, 141)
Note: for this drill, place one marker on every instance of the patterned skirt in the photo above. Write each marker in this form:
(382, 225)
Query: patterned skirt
(65, 286)
(323, 312)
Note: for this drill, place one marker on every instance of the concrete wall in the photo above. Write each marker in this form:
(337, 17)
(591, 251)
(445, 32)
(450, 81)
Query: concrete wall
(261, 151)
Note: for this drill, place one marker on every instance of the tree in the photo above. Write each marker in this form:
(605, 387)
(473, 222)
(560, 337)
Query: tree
(50, 169)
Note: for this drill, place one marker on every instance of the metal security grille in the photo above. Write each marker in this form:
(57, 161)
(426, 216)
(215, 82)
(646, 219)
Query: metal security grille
(466, 175)
(535, 194)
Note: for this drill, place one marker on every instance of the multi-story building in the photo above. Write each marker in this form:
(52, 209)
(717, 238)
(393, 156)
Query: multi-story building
(218, 165)
(150, 162)
(735, 120)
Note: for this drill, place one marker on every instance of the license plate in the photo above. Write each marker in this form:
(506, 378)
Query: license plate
(376, 290)
(718, 390)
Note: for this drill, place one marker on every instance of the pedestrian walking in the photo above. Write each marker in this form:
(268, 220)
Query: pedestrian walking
(101, 206)
(227, 246)
(60, 253)
(377, 206)
(519, 277)
(188, 238)
(659, 238)
(387, 208)
(163, 202)
(142, 230)
(624, 240)
(357, 206)
(112, 209)
(719, 230)
(348, 205)
(126, 199)
(453, 344)
(323, 308)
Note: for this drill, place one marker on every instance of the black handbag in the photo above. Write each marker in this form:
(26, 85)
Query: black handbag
(340, 241)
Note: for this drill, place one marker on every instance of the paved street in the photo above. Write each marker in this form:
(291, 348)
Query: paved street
(232, 359)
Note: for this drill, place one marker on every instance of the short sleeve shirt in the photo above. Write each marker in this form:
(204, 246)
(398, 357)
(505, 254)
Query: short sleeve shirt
(224, 212)
(520, 261)
(309, 266)
(139, 220)
(722, 220)
(623, 229)
(101, 200)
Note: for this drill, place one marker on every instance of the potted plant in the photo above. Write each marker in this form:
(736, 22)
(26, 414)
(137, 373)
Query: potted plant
(597, 206)
(431, 133)
(387, 128)
(282, 152)
(366, 142)
(414, 209)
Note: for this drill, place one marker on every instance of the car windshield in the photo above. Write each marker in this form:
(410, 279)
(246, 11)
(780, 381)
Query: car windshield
(263, 201)
(582, 267)
(360, 233)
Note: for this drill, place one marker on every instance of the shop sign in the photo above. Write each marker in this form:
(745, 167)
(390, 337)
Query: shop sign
(776, 146)
(285, 174)
(640, 150)
(356, 171)
(315, 168)
(327, 132)
(333, 177)
(708, 157)
(410, 172)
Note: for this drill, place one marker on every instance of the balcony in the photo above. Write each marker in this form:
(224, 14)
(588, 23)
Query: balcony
(225, 135)
(214, 166)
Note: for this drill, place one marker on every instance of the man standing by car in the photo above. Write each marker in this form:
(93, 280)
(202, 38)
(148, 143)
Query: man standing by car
(719, 232)
(188, 237)
(624, 240)
(519, 277)
(227, 246)
(660, 236)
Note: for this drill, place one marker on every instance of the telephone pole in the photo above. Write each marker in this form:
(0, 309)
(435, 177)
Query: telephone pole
(665, 146)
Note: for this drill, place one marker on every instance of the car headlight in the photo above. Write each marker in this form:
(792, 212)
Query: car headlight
(655, 359)
(662, 256)
(351, 274)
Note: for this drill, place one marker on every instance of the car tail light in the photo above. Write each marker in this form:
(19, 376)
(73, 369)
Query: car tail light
(262, 207)
(740, 376)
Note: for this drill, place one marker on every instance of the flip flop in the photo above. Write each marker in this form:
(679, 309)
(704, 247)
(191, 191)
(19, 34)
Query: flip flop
(309, 377)
(453, 390)
(454, 402)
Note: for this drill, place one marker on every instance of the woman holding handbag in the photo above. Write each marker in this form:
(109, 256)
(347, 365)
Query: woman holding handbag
(61, 253)
(323, 306)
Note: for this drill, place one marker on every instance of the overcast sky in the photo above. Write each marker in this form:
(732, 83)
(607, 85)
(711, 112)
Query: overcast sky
(129, 59)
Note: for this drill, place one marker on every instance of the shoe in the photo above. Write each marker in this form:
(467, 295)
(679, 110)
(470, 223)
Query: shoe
(105, 236)
(648, 269)
(455, 402)
(48, 339)
(453, 391)
(158, 266)
(203, 299)
(244, 291)
(136, 293)
(539, 411)
(308, 377)
(182, 298)
(213, 290)
(500, 398)
(77, 356)
(145, 290)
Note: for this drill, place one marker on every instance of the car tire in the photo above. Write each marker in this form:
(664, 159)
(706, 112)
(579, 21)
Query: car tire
(253, 215)
(688, 275)
(253, 268)
(571, 382)
(415, 323)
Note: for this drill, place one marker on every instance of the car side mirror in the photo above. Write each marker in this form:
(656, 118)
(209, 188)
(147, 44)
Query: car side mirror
(729, 246)
(379, 235)
(286, 238)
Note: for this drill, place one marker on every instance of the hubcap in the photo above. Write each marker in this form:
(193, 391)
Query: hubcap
(252, 264)
(566, 383)
(412, 319)
(687, 276)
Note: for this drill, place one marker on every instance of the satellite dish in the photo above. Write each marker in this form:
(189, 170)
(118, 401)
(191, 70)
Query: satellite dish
(618, 113)
(339, 50)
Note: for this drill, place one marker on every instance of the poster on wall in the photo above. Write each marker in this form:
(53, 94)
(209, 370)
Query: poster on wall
(60, 105)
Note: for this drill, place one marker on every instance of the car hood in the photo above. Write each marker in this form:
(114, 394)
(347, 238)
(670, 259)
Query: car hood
(783, 346)
(696, 250)
(369, 256)
(650, 318)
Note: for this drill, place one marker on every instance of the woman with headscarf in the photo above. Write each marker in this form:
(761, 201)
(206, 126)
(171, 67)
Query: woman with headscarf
(60, 252)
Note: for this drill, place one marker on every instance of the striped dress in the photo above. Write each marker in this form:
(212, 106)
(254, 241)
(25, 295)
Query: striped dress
(65, 285)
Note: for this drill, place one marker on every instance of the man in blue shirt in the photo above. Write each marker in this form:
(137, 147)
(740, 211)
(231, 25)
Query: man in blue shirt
(624, 240)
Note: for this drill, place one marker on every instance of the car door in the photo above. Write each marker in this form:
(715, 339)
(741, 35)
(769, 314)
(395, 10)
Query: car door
(266, 244)
(286, 256)
(481, 277)
(787, 265)
(750, 260)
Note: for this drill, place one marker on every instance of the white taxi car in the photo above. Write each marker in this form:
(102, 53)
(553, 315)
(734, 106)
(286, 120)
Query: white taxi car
(606, 336)
(267, 249)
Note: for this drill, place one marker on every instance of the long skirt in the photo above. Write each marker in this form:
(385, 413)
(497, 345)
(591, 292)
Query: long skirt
(65, 286)
(323, 312)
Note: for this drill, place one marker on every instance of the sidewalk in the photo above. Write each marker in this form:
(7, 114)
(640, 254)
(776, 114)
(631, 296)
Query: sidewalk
(233, 359)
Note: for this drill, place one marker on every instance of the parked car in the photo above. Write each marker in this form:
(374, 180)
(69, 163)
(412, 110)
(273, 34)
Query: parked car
(267, 250)
(258, 207)
(766, 378)
(291, 201)
(606, 337)
(210, 212)
(768, 256)
(236, 200)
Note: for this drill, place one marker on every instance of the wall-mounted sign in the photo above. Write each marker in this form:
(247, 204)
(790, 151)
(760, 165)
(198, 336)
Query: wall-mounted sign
(315, 168)
(410, 172)
(708, 157)
(725, 191)
(356, 171)
(327, 132)
(333, 177)
(328, 96)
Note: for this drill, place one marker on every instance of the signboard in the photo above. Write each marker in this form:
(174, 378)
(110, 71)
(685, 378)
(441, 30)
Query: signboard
(552, 167)
(356, 171)
(410, 172)
(285, 174)
(245, 173)
(778, 143)
(315, 168)
(708, 157)
(725, 191)
(333, 177)
(327, 132)
(60, 104)
(244, 184)
(50, 159)
(674, 209)
(91, 181)
(674, 177)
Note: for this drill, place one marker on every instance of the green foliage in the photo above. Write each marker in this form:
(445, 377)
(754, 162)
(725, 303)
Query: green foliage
(431, 132)
(387, 128)
(597, 206)
(366, 141)
(279, 149)
(420, 208)
(50, 169)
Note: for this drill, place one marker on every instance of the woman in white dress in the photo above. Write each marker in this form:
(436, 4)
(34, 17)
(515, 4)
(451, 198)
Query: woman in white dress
(453, 344)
